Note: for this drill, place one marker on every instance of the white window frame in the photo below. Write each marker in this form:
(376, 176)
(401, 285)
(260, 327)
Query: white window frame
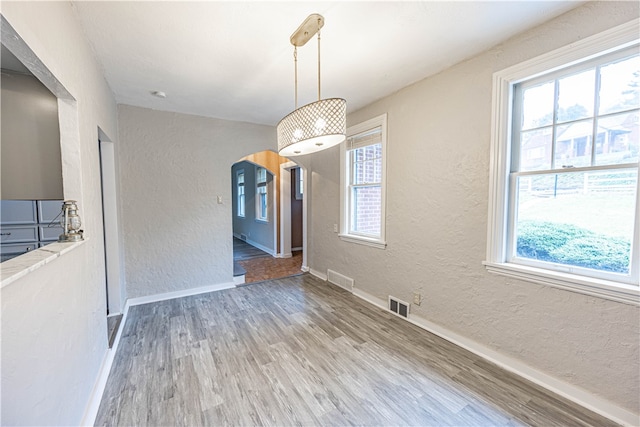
(299, 184)
(242, 196)
(345, 205)
(262, 184)
(617, 38)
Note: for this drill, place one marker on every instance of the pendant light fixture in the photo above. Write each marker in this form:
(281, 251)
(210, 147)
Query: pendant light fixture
(318, 125)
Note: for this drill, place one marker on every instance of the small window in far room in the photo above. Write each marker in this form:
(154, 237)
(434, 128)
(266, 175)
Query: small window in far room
(299, 184)
(261, 194)
(240, 184)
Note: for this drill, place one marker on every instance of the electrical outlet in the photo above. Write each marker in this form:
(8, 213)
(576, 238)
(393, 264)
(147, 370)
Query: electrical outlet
(417, 298)
(219, 200)
(335, 228)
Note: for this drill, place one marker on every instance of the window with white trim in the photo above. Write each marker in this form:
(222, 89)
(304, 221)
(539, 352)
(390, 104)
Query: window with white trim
(564, 183)
(299, 183)
(240, 193)
(363, 164)
(261, 194)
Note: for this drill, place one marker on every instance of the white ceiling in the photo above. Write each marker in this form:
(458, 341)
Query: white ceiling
(233, 60)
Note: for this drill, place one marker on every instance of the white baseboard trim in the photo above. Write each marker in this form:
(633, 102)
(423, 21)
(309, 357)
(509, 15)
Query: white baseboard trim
(179, 294)
(91, 411)
(305, 269)
(239, 280)
(287, 255)
(298, 248)
(571, 392)
(370, 298)
(319, 275)
(263, 248)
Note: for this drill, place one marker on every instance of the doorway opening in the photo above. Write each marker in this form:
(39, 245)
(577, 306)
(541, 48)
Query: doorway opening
(114, 294)
(269, 233)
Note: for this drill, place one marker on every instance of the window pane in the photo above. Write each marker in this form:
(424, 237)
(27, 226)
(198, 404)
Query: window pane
(263, 206)
(620, 86)
(366, 210)
(367, 166)
(535, 149)
(537, 106)
(618, 139)
(582, 219)
(573, 144)
(262, 202)
(576, 96)
(240, 186)
(261, 175)
(377, 175)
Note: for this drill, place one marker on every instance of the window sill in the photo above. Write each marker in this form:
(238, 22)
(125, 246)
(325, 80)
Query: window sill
(606, 289)
(262, 221)
(24, 264)
(363, 241)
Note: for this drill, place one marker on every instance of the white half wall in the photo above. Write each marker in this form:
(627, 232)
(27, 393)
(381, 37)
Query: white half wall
(54, 326)
(437, 190)
(172, 169)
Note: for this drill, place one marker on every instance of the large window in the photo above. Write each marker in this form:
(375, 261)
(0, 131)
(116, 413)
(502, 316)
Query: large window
(240, 184)
(564, 207)
(261, 194)
(363, 195)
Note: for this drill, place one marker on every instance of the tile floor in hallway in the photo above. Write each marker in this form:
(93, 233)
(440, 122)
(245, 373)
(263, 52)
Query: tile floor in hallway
(267, 268)
(260, 266)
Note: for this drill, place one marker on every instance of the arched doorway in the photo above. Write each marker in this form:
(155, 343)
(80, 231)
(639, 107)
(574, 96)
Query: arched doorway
(268, 217)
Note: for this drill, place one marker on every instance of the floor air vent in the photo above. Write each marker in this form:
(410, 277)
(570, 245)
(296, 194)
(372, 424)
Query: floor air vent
(243, 237)
(340, 279)
(401, 308)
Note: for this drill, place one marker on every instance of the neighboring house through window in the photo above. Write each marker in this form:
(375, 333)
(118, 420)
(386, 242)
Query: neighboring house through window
(261, 194)
(240, 184)
(564, 183)
(363, 164)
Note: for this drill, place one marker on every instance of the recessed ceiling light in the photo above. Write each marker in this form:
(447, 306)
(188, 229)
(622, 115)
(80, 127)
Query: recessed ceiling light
(159, 94)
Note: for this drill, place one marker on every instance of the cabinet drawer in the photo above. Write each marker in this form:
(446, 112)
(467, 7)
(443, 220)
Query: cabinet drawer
(17, 248)
(19, 234)
(13, 212)
(48, 210)
(50, 234)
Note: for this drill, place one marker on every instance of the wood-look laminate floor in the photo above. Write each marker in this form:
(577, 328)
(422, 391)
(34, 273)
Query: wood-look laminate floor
(242, 251)
(299, 351)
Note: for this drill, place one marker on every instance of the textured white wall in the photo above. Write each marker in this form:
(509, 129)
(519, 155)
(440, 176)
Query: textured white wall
(54, 332)
(437, 186)
(172, 168)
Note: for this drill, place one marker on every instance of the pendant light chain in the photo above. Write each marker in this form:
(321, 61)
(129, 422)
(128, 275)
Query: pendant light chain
(295, 65)
(319, 60)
